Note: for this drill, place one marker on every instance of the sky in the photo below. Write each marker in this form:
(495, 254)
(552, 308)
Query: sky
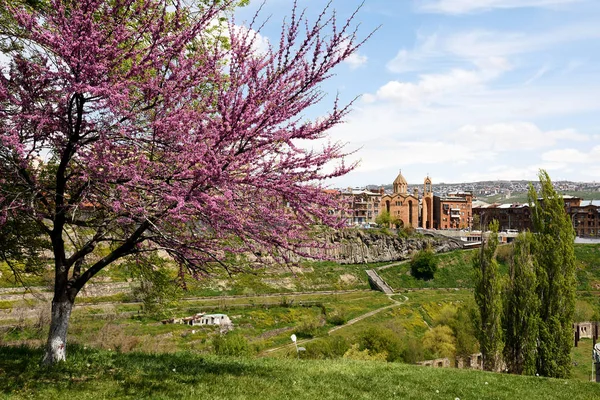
(464, 90)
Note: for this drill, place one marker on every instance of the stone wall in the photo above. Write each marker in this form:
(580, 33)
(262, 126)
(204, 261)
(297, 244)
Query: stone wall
(354, 246)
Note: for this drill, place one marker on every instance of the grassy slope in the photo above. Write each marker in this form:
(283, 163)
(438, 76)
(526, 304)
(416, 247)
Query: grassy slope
(455, 270)
(99, 374)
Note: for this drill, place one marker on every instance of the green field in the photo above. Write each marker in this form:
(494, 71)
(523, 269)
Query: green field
(94, 374)
(113, 331)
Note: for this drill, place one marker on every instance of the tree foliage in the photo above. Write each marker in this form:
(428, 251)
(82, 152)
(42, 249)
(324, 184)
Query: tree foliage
(423, 264)
(488, 292)
(129, 125)
(521, 309)
(439, 342)
(554, 260)
(385, 219)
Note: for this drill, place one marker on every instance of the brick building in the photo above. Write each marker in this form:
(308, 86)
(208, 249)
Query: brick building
(453, 211)
(510, 216)
(400, 204)
(586, 219)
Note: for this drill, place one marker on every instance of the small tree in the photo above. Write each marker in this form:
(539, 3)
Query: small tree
(439, 342)
(488, 292)
(383, 219)
(423, 264)
(132, 126)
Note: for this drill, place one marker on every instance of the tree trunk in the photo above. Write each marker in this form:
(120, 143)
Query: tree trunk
(56, 347)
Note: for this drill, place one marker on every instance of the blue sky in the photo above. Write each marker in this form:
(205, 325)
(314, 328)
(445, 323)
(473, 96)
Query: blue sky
(466, 90)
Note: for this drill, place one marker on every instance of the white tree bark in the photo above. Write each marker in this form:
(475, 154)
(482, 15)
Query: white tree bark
(56, 347)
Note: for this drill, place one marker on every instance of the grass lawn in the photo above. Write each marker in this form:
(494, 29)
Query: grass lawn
(93, 374)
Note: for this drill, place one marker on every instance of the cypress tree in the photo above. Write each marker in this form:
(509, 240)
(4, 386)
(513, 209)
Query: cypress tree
(555, 274)
(488, 292)
(521, 309)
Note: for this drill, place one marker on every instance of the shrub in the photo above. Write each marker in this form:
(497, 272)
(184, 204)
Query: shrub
(324, 348)
(337, 317)
(308, 328)
(423, 265)
(413, 350)
(354, 353)
(382, 340)
(440, 342)
(406, 231)
(231, 344)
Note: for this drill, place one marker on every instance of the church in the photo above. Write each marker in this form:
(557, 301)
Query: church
(400, 204)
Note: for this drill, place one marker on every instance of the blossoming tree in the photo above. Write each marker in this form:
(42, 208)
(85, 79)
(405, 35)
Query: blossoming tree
(130, 126)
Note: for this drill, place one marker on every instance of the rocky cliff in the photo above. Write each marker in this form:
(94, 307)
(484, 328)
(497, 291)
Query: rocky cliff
(353, 246)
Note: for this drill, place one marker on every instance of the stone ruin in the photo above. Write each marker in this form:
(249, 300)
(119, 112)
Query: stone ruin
(474, 361)
(203, 319)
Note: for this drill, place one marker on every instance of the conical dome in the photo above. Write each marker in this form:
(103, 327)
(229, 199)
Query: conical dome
(400, 184)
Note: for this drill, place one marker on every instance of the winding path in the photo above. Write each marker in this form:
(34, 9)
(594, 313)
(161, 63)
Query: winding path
(348, 323)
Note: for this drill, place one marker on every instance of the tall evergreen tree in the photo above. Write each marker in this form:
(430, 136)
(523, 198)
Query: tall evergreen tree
(555, 270)
(521, 309)
(488, 292)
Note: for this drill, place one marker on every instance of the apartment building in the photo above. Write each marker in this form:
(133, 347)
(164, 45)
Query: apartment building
(453, 211)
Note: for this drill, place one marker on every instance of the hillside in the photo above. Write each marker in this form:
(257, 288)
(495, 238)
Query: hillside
(91, 374)
(455, 270)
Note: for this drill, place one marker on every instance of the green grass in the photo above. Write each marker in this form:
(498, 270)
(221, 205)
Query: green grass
(264, 321)
(93, 374)
(588, 266)
(582, 360)
(455, 270)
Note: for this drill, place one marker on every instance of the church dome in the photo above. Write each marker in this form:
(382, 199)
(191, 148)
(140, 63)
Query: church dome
(400, 184)
(400, 180)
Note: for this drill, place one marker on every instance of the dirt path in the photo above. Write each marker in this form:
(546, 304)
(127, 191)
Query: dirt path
(391, 265)
(348, 323)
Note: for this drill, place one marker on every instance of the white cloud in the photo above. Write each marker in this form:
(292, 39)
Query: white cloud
(427, 48)
(431, 87)
(437, 50)
(469, 6)
(573, 156)
(517, 136)
(485, 43)
(356, 60)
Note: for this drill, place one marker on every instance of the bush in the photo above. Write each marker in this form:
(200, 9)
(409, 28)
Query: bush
(439, 342)
(354, 353)
(406, 231)
(309, 328)
(326, 348)
(231, 344)
(337, 317)
(413, 350)
(423, 265)
(381, 340)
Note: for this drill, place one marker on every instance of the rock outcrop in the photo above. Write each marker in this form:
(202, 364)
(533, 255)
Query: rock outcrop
(354, 246)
